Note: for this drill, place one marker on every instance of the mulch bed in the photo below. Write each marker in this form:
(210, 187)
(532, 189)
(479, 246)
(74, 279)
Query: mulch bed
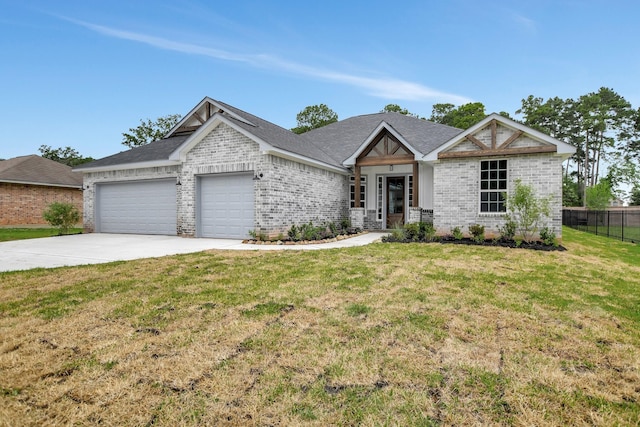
(537, 246)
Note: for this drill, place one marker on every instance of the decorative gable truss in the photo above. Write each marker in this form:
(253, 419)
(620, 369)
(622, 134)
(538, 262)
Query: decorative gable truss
(385, 150)
(200, 115)
(496, 139)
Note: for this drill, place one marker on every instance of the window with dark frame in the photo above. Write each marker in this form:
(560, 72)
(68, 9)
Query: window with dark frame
(493, 185)
(352, 191)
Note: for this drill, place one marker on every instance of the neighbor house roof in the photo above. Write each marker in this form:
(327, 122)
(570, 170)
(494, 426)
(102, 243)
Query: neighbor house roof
(36, 170)
(330, 145)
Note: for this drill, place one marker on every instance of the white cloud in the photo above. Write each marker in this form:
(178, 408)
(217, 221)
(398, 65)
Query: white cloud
(382, 87)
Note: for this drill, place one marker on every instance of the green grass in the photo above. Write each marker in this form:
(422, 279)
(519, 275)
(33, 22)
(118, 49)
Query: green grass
(387, 334)
(615, 232)
(7, 234)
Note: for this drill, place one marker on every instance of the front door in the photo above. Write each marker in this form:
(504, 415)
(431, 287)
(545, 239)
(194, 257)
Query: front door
(395, 201)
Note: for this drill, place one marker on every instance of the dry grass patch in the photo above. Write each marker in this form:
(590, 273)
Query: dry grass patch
(388, 334)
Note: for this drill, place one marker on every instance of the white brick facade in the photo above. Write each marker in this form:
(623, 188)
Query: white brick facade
(457, 190)
(287, 193)
(295, 193)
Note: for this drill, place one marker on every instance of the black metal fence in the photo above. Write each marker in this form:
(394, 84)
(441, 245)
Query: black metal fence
(621, 224)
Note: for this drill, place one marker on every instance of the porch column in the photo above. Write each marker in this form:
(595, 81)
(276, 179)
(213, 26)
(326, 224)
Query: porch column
(357, 187)
(416, 182)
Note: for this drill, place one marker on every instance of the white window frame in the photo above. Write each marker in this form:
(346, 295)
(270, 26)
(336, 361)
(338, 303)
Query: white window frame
(491, 191)
(363, 191)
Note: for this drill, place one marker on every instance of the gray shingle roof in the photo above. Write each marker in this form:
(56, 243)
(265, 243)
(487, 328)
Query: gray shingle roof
(343, 138)
(331, 144)
(34, 169)
(157, 150)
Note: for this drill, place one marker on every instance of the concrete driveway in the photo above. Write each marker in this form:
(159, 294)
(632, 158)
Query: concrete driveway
(97, 248)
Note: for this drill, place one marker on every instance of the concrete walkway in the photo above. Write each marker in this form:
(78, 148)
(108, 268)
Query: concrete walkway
(97, 248)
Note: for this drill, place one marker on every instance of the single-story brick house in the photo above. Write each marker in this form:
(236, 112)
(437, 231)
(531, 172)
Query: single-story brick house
(222, 172)
(29, 184)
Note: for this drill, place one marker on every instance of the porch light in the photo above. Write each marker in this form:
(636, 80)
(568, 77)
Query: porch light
(257, 177)
(391, 167)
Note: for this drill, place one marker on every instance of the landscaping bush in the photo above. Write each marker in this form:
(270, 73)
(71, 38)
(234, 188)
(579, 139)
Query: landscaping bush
(62, 216)
(508, 231)
(456, 233)
(477, 231)
(294, 233)
(548, 237)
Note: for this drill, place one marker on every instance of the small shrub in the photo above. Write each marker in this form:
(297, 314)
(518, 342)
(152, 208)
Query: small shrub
(397, 233)
(548, 237)
(508, 231)
(477, 232)
(309, 231)
(412, 232)
(427, 231)
(345, 224)
(258, 235)
(62, 216)
(333, 228)
(294, 233)
(456, 233)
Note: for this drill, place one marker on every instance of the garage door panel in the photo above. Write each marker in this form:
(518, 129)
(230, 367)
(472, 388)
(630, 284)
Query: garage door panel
(226, 206)
(140, 207)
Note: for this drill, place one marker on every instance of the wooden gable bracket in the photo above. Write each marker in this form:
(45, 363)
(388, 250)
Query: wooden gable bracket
(517, 134)
(200, 119)
(494, 134)
(477, 142)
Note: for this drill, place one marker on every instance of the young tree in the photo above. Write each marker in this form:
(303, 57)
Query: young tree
(67, 156)
(462, 117)
(313, 117)
(149, 131)
(526, 211)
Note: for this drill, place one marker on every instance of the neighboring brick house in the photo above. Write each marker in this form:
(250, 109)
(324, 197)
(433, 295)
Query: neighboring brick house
(29, 184)
(222, 172)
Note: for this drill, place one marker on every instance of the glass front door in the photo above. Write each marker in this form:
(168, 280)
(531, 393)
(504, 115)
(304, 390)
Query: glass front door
(395, 201)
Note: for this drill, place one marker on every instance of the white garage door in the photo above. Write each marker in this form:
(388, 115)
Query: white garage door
(226, 205)
(139, 207)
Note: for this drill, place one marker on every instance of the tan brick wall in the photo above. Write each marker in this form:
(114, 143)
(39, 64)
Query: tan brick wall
(23, 204)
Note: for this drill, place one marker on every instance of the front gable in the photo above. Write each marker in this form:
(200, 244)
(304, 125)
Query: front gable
(383, 146)
(199, 115)
(499, 136)
(385, 149)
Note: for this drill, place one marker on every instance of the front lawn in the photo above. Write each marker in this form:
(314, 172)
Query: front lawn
(7, 234)
(386, 334)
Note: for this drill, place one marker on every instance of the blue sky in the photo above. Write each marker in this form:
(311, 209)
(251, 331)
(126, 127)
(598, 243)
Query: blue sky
(79, 73)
